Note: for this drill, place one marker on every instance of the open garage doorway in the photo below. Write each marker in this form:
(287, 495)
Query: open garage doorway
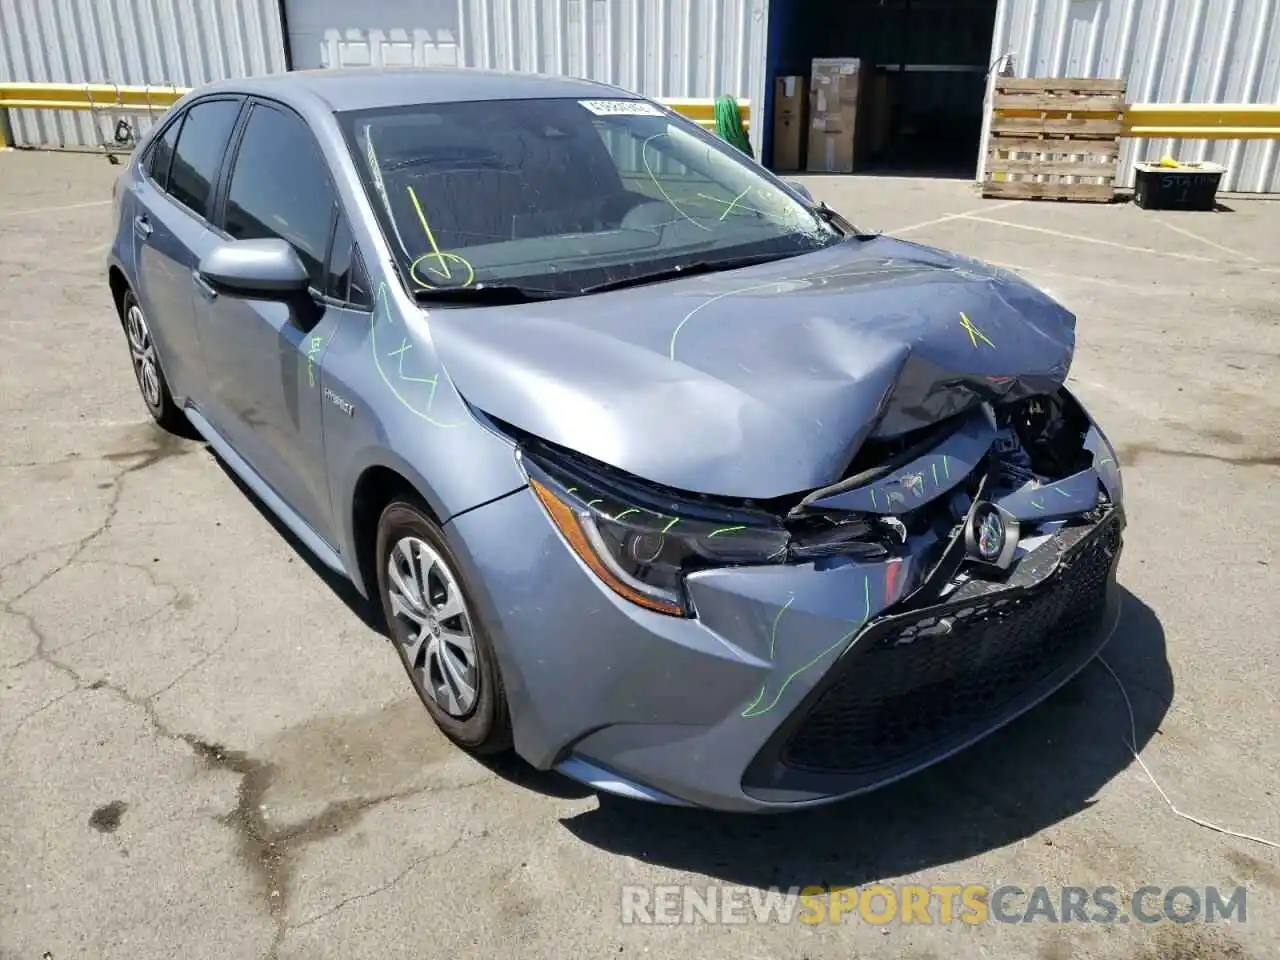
(925, 63)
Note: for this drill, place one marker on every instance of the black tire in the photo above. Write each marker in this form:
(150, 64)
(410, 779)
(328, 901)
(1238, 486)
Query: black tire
(485, 726)
(156, 396)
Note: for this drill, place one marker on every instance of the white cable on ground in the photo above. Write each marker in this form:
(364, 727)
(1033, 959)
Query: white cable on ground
(1132, 745)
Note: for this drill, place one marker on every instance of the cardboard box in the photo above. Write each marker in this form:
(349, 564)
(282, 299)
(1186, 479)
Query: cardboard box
(790, 103)
(835, 93)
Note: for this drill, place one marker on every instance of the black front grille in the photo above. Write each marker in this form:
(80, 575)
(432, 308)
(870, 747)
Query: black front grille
(918, 682)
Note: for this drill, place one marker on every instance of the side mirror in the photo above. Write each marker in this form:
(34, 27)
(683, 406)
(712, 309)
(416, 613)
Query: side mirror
(255, 270)
(801, 190)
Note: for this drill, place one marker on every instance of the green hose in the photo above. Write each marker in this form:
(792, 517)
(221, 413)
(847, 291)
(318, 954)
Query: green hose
(729, 124)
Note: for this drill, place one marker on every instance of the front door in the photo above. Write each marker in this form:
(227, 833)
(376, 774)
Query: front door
(263, 356)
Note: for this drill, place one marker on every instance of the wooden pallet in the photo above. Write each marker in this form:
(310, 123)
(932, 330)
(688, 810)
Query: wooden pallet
(1054, 139)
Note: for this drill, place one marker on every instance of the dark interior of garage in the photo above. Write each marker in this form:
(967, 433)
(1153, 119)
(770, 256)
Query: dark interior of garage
(926, 63)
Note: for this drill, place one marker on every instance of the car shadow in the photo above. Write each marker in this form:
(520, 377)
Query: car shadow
(519, 772)
(368, 613)
(1044, 767)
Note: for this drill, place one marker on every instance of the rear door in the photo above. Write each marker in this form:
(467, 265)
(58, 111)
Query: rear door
(172, 230)
(267, 354)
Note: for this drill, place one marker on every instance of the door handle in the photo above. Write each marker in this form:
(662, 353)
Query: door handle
(142, 226)
(206, 289)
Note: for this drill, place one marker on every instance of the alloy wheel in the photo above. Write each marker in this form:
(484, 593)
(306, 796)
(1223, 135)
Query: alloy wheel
(143, 352)
(433, 625)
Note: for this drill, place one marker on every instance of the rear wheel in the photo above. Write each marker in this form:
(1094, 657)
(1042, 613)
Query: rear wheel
(441, 643)
(146, 368)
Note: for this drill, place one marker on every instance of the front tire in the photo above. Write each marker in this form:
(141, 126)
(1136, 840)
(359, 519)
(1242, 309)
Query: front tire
(441, 643)
(146, 369)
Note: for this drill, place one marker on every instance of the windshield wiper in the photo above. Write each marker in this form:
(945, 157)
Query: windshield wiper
(683, 270)
(489, 294)
(829, 216)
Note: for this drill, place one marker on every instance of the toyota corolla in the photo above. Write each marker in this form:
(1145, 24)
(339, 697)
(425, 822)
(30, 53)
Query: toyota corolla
(662, 473)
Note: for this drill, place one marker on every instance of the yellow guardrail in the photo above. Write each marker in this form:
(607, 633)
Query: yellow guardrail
(1203, 121)
(702, 110)
(1149, 121)
(1189, 121)
(144, 99)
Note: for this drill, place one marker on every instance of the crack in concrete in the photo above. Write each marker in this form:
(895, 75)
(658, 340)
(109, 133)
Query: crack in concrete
(1129, 454)
(183, 674)
(33, 464)
(268, 853)
(381, 888)
(31, 555)
(43, 651)
(28, 717)
(166, 445)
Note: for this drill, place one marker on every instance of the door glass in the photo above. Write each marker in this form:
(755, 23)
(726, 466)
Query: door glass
(360, 295)
(280, 187)
(339, 278)
(200, 146)
(162, 155)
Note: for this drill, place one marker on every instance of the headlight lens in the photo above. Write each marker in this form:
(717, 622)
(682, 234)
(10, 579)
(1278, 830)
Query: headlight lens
(640, 543)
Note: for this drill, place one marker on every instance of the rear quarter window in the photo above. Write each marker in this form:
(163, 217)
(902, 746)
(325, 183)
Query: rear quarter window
(201, 143)
(160, 156)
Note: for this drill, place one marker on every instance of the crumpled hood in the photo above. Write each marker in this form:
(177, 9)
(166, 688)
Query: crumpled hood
(762, 381)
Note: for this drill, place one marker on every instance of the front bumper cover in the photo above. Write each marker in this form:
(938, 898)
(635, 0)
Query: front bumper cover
(745, 709)
(916, 687)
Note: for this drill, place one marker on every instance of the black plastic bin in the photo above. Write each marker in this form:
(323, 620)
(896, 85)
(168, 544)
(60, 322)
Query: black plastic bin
(1190, 186)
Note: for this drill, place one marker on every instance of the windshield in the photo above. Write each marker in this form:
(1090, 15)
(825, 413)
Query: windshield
(557, 196)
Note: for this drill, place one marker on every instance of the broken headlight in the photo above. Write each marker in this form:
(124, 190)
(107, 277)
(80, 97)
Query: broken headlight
(640, 540)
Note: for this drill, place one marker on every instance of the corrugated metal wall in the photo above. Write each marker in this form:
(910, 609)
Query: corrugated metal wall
(1168, 51)
(183, 42)
(660, 48)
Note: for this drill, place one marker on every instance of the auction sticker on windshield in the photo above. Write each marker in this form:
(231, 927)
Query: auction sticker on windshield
(621, 108)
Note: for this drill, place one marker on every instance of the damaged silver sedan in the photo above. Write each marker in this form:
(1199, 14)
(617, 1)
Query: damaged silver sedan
(661, 473)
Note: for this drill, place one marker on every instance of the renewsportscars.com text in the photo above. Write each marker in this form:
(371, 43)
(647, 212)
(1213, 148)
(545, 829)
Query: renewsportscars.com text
(882, 904)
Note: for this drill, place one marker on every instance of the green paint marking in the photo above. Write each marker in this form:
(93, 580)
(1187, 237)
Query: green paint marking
(1062, 493)
(946, 466)
(935, 473)
(671, 348)
(404, 376)
(625, 512)
(773, 643)
(313, 350)
(668, 527)
(716, 533)
(773, 634)
(1038, 504)
(751, 710)
(873, 498)
(592, 503)
(729, 208)
(572, 490)
(382, 306)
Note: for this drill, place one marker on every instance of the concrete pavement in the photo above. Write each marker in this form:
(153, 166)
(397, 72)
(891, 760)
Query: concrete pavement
(206, 751)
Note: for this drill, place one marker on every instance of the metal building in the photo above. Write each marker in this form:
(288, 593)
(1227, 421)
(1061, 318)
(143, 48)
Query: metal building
(180, 42)
(1168, 51)
(661, 48)
(934, 57)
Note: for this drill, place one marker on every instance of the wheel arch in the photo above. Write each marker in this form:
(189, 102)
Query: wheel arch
(378, 485)
(119, 285)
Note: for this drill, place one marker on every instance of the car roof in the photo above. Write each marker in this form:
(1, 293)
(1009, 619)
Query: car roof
(362, 88)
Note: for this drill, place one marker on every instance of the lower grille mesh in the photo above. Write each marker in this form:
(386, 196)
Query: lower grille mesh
(933, 677)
